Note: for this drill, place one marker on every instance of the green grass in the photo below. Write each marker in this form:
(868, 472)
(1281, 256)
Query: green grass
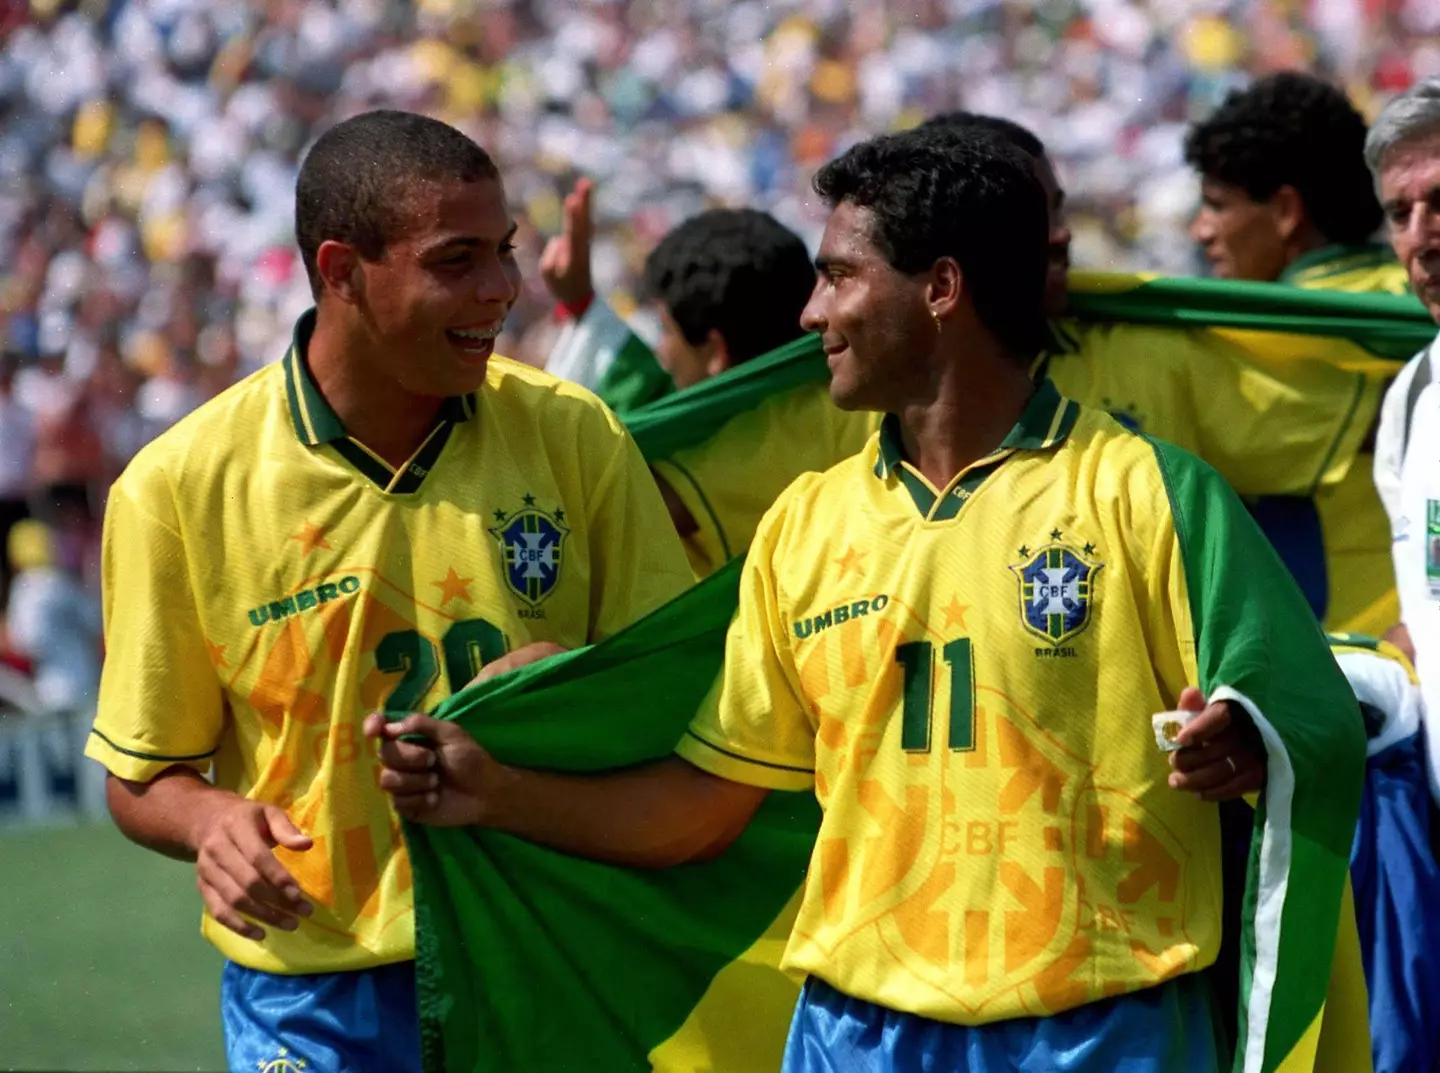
(101, 962)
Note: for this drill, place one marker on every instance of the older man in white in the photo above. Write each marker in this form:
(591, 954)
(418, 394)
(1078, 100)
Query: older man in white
(1403, 151)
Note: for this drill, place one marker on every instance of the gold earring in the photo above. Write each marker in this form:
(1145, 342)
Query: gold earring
(936, 318)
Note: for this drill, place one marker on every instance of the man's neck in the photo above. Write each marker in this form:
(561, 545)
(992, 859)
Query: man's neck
(375, 410)
(965, 414)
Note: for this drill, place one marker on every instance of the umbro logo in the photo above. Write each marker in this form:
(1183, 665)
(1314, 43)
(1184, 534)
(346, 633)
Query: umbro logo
(304, 600)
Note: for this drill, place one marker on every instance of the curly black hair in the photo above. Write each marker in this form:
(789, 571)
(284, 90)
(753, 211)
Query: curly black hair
(1020, 137)
(739, 272)
(355, 175)
(937, 192)
(1292, 129)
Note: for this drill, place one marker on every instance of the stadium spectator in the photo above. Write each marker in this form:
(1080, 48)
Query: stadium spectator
(1284, 191)
(17, 459)
(53, 620)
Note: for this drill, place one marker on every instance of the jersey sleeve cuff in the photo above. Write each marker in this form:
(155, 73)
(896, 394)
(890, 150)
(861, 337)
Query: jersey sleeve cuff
(728, 764)
(139, 765)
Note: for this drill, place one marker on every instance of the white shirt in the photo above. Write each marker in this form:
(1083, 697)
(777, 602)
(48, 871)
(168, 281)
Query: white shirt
(17, 449)
(1407, 476)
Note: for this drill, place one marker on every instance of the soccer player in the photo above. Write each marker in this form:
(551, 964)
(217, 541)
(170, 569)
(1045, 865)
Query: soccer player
(729, 285)
(1284, 192)
(362, 525)
(1286, 197)
(957, 639)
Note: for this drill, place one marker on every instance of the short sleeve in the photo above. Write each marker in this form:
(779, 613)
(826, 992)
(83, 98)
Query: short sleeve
(754, 728)
(161, 702)
(637, 562)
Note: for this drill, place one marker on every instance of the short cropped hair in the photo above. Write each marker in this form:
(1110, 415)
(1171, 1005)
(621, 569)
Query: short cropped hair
(1291, 129)
(935, 192)
(738, 272)
(354, 179)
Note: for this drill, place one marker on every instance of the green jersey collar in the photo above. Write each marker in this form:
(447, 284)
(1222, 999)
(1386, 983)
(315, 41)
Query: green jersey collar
(1334, 259)
(315, 422)
(1046, 420)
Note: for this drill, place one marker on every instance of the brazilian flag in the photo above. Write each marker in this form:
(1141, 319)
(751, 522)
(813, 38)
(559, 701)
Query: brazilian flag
(529, 959)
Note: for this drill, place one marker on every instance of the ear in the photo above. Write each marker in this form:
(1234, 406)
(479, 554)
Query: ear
(1288, 210)
(717, 354)
(339, 268)
(946, 285)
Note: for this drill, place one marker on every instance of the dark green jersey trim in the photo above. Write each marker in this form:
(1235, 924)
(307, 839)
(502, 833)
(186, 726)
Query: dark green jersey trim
(1328, 261)
(151, 756)
(1047, 420)
(705, 502)
(364, 461)
(749, 759)
(316, 423)
(423, 462)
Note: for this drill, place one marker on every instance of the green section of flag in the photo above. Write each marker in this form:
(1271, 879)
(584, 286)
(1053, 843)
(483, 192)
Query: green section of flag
(1255, 636)
(634, 378)
(529, 959)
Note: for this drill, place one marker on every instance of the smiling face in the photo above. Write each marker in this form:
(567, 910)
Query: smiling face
(872, 319)
(1410, 198)
(434, 300)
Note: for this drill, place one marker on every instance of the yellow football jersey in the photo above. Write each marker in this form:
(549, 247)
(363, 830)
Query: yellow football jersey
(1277, 415)
(966, 677)
(1365, 269)
(268, 582)
(730, 480)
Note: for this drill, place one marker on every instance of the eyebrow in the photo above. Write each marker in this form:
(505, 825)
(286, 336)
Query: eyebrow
(824, 263)
(467, 241)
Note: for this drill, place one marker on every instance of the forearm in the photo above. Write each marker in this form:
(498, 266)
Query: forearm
(656, 816)
(165, 814)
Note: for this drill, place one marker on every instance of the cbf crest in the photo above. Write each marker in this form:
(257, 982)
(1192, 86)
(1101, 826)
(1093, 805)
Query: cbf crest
(1057, 589)
(532, 546)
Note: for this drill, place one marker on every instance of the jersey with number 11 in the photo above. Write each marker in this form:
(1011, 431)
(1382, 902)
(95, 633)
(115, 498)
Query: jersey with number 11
(966, 677)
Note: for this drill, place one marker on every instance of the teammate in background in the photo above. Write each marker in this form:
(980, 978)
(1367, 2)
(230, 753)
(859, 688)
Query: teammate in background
(957, 639)
(727, 286)
(360, 526)
(1285, 195)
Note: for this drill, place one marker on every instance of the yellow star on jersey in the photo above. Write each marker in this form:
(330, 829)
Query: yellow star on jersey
(311, 537)
(851, 560)
(454, 585)
(955, 613)
(217, 654)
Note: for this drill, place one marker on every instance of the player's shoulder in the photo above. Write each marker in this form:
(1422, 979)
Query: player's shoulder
(815, 501)
(227, 430)
(522, 393)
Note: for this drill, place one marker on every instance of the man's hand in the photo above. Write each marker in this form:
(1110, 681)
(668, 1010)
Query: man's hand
(440, 781)
(565, 262)
(1221, 754)
(237, 873)
(1399, 636)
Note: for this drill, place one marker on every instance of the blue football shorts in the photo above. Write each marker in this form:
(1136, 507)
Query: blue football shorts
(1164, 1029)
(365, 1021)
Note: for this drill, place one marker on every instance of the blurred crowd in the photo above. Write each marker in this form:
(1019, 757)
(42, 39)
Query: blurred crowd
(148, 151)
